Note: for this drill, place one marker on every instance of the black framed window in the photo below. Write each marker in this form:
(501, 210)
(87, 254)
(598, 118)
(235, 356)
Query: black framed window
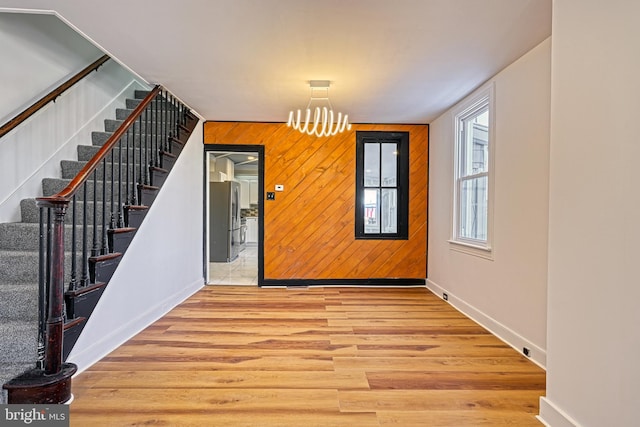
(382, 185)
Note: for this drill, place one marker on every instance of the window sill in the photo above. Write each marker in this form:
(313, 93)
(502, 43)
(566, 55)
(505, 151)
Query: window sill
(470, 249)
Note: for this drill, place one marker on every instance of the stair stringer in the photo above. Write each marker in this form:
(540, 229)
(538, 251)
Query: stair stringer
(162, 267)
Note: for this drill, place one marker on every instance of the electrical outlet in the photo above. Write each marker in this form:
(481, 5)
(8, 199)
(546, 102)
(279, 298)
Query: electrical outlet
(271, 195)
(445, 296)
(526, 351)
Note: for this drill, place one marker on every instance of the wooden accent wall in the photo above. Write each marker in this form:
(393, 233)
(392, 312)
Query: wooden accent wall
(309, 230)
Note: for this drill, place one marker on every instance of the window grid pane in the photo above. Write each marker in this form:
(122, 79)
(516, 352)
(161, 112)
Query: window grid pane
(371, 165)
(473, 208)
(371, 211)
(474, 153)
(389, 164)
(389, 208)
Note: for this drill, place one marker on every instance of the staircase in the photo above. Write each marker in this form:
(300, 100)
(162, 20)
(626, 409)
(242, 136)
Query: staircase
(100, 223)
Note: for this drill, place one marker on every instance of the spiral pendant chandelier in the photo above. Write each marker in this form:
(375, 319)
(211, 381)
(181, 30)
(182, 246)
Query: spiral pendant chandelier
(322, 123)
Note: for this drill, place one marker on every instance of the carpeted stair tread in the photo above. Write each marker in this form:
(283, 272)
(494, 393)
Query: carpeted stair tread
(19, 343)
(124, 113)
(30, 213)
(51, 186)
(111, 125)
(18, 349)
(131, 104)
(18, 301)
(18, 266)
(24, 236)
(99, 138)
(71, 168)
(86, 152)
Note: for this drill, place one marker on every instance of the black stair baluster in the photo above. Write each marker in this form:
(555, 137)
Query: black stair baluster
(147, 127)
(156, 155)
(114, 218)
(143, 124)
(169, 120)
(184, 115)
(120, 206)
(169, 117)
(154, 124)
(172, 129)
(72, 283)
(174, 120)
(161, 130)
(85, 237)
(178, 121)
(144, 170)
(162, 113)
(103, 249)
(127, 196)
(164, 125)
(164, 120)
(42, 288)
(134, 190)
(176, 117)
(95, 250)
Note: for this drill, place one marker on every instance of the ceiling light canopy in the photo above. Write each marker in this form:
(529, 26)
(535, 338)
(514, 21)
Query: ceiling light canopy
(323, 123)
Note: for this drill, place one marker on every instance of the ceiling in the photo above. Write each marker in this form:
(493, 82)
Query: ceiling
(400, 61)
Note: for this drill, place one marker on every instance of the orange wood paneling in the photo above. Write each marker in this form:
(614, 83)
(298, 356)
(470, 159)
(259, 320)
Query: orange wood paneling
(309, 229)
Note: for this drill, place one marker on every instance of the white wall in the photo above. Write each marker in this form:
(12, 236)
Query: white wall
(593, 371)
(506, 294)
(162, 266)
(33, 150)
(42, 52)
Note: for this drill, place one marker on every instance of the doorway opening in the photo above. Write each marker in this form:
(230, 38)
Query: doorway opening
(234, 176)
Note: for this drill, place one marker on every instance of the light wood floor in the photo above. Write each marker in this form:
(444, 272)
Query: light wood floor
(244, 356)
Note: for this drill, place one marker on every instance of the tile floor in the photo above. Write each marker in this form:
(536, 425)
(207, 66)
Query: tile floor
(242, 271)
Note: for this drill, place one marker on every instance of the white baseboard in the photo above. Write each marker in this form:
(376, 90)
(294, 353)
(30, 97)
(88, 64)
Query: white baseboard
(552, 416)
(88, 356)
(537, 355)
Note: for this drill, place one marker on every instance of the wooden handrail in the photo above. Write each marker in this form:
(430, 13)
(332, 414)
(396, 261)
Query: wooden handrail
(64, 196)
(11, 124)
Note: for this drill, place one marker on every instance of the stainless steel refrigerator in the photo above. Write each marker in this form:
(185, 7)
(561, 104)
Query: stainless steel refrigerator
(224, 221)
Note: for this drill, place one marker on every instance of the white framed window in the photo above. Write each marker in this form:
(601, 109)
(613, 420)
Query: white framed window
(473, 184)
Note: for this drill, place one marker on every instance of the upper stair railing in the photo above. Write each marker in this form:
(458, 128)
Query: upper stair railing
(51, 96)
(103, 201)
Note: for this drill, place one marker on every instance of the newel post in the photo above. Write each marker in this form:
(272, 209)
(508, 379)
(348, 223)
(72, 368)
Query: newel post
(55, 313)
(50, 383)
